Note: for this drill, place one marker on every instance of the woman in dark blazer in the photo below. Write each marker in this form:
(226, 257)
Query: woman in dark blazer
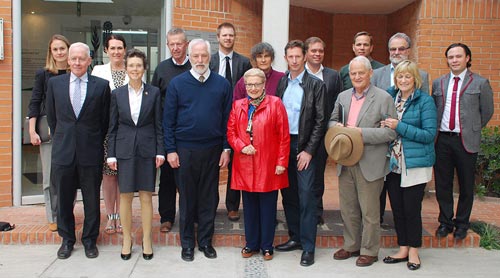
(56, 63)
(136, 148)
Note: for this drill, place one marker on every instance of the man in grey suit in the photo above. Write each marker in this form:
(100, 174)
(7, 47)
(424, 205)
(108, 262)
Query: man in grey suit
(315, 54)
(399, 50)
(464, 102)
(78, 114)
(362, 108)
(231, 65)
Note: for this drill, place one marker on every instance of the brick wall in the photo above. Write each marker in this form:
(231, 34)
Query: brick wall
(245, 15)
(6, 107)
(475, 23)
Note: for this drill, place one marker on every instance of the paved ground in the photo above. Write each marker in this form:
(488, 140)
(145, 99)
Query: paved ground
(40, 261)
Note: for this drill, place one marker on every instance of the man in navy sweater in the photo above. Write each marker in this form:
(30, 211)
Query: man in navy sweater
(195, 118)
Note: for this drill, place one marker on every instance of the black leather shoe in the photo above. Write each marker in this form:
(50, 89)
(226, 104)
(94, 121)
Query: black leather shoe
(443, 231)
(288, 246)
(209, 251)
(307, 258)
(321, 220)
(391, 260)
(91, 252)
(145, 256)
(126, 257)
(64, 251)
(460, 233)
(413, 266)
(187, 254)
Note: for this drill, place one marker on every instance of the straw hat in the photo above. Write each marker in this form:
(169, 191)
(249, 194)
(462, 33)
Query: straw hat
(344, 145)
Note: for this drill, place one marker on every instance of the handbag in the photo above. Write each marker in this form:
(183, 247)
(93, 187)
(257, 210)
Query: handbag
(41, 127)
(5, 226)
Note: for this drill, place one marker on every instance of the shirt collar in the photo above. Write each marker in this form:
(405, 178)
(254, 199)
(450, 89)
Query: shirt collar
(197, 75)
(461, 75)
(83, 78)
(186, 59)
(223, 56)
(299, 77)
(132, 91)
(314, 73)
(365, 92)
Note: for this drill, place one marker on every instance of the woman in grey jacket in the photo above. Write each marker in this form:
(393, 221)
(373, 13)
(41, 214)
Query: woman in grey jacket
(412, 158)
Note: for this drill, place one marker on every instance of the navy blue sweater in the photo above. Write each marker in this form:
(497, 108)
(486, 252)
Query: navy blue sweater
(195, 114)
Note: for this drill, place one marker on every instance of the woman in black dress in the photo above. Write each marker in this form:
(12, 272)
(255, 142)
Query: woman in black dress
(56, 63)
(136, 148)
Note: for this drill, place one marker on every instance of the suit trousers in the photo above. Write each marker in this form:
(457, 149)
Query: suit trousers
(406, 204)
(49, 189)
(359, 208)
(233, 197)
(451, 155)
(68, 179)
(319, 177)
(167, 194)
(198, 182)
(259, 209)
(300, 202)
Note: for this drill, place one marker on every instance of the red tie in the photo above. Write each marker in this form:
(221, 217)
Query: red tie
(453, 103)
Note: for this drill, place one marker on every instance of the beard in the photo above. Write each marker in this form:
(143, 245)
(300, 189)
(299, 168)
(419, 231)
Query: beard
(396, 60)
(200, 68)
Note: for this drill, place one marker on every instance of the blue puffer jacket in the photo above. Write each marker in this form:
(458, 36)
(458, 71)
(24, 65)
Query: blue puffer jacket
(417, 129)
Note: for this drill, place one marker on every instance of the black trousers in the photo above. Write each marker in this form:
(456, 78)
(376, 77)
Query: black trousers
(198, 182)
(406, 204)
(67, 180)
(319, 176)
(451, 155)
(259, 209)
(167, 194)
(233, 197)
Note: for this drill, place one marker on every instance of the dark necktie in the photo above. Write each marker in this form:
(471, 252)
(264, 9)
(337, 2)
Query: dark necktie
(228, 71)
(201, 78)
(453, 103)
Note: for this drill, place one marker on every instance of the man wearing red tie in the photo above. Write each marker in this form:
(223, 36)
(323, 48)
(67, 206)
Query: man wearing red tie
(464, 102)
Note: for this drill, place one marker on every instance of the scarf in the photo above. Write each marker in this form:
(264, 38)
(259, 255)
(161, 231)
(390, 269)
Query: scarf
(252, 106)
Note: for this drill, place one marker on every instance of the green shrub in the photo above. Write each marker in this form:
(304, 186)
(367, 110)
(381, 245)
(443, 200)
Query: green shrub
(490, 235)
(488, 163)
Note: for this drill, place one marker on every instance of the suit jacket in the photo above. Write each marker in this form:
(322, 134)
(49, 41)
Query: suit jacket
(374, 162)
(240, 64)
(104, 71)
(475, 106)
(333, 87)
(77, 140)
(382, 78)
(126, 139)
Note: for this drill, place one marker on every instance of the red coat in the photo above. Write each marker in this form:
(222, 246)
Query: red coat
(271, 139)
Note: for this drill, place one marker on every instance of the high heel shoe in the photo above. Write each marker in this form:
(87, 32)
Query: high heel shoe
(127, 257)
(146, 256)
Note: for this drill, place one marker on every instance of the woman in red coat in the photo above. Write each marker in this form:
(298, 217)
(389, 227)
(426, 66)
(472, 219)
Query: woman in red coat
(258, 133)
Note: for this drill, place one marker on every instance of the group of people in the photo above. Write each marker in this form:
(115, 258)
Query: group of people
(274, 131)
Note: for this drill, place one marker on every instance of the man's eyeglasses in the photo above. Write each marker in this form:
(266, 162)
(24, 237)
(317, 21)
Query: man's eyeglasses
(256, 85)
(400, 49)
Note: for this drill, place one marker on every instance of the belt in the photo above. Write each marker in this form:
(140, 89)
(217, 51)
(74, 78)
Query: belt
(450, 133)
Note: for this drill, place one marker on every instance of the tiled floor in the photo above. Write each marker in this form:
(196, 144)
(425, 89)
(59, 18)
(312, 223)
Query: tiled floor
(31, 226)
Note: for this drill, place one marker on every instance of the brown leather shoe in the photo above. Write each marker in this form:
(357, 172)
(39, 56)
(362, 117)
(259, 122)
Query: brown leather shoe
(343, 254)
(53, 227)
(166, 227)
(233, 215)
(365, 260)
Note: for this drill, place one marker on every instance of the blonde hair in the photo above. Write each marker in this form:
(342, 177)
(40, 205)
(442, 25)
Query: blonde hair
(411, 68)
(255, 72)
(50, 62)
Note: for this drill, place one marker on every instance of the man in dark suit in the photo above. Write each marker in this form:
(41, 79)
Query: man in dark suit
(231, 65)
(78, 114)
(164, 72)
(315, 54)
(399, 50)
(464, 102)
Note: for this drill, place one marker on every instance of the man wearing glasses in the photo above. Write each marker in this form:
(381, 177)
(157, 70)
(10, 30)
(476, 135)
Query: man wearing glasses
(399, 50)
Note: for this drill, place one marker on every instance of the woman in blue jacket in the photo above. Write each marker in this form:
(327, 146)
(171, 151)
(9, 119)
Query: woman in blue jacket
(412, 158)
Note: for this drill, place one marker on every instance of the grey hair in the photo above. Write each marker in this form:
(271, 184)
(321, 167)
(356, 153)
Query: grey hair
(363, 60)
(198, 41)
(400, 36)
(261, 48)
(176, 31)
(79, 44)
